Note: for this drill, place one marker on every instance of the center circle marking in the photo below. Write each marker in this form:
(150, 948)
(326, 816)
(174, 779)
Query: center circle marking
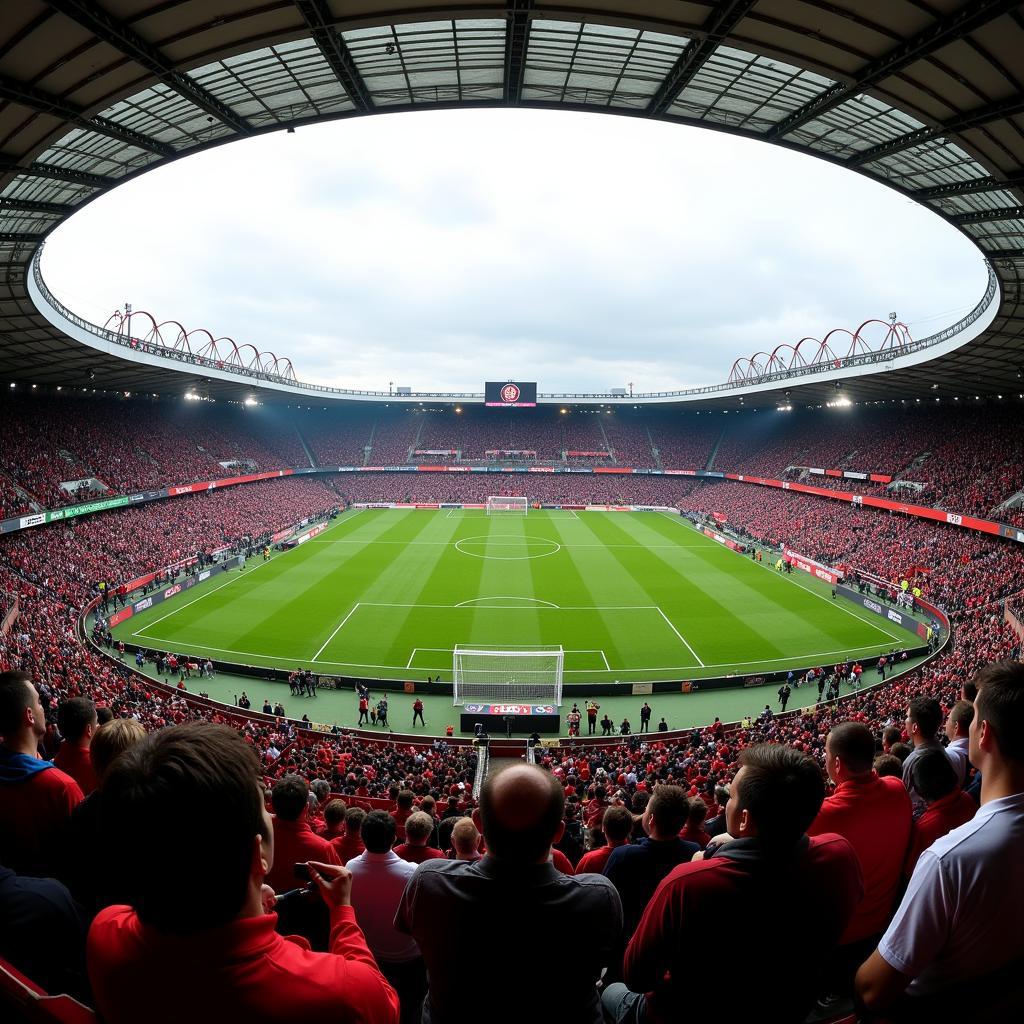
(554, 547)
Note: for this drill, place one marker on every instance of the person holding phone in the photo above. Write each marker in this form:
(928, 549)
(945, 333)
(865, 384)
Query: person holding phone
(185, 810)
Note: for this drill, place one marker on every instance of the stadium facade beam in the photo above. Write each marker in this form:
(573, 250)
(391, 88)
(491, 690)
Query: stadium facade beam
(985, 216)
(976, 118)
(517, 44)
(123, 39)
(29, 237)
(56, 173)
(966, 188)
(320, 22)
(717, 26)
(965, 19)
(45, 103)
(32, 206)
(1016, 255)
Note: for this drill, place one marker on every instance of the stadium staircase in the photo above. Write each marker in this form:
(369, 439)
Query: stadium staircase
(607, 443)
(409, 457)
(1012, 504)
(368, 447)
(714, 451)
(26, 495)
(655, 453)
(305, 444)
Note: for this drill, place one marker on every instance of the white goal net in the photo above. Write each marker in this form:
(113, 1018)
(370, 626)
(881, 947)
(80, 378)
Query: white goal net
(517, 506)
(489, 674)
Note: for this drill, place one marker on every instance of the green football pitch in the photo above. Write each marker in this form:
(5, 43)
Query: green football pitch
(633, 597)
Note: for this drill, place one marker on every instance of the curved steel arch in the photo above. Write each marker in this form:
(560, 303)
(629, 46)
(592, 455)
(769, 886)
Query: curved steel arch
(849, 83)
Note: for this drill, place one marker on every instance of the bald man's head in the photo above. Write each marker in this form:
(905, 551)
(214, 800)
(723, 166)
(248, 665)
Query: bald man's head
(521, 812)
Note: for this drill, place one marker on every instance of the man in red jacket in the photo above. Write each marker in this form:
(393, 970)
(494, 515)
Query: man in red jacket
(617, 826)
(185, 810)
(77, 721)
(725, 897)
(875, 815)
(949, 807)
(294, 841)
(418, 829)
(36, 798)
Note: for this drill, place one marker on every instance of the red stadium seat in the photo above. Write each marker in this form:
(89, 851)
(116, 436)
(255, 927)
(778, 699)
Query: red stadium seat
(21, 999)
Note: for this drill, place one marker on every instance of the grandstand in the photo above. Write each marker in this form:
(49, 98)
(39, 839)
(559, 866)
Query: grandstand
(896, 467)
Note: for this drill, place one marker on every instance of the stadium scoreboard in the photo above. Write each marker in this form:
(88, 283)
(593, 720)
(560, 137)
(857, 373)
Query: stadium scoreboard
(511, 394)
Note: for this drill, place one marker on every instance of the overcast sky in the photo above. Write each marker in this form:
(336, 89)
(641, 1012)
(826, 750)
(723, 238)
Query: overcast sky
(443, 248)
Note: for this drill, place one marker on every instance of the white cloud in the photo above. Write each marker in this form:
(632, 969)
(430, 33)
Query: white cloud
(444, 248)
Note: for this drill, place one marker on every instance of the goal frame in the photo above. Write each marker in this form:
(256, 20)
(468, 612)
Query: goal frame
(517, 504)
(533, 689)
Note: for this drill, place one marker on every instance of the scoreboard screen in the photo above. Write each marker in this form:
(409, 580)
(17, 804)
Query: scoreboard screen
(511, 394)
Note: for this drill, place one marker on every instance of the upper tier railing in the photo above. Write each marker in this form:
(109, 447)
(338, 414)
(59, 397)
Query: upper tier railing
(798, 374)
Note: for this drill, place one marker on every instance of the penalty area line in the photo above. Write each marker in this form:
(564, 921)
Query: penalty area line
(668, 622)
(337, 629)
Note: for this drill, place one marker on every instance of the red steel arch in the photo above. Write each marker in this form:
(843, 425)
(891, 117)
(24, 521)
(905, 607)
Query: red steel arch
(222, 353)
(871, 336)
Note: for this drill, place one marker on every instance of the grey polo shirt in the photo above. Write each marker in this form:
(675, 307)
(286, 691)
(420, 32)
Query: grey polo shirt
(506, 942)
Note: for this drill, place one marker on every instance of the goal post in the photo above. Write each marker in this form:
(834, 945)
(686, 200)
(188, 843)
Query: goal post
(516, 506)
(493, 674)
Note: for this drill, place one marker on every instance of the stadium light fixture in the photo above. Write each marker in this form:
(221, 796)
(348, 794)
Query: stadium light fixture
(34, 386)
(60, 387)
(13, 385)
(251, 401)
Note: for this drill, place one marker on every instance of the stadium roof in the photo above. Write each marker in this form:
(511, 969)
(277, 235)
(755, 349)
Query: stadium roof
(924, 97)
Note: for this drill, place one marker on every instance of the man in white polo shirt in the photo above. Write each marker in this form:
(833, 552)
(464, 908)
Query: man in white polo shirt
(958, 725)
(379, 877)
(962, 917)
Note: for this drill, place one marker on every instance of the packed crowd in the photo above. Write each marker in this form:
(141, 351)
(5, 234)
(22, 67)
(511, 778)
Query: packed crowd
(69, 558)
(957, 568)
(552, 488)
(644, 855)
(53, 572)
(129, 445)
(965, 460)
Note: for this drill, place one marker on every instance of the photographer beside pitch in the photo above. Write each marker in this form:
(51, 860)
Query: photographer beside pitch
(185, 810)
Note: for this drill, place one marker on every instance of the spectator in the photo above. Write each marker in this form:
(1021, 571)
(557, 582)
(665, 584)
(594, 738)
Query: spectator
(183, 792)
(294, 841)
(888, 766)
(763, 868)
(958, 725)
(716, 826)
(36, 798)
(418, 829)
(466, 840)
(520, 815)
(636, 870)
(379, 877)
(334, 820)
(77, 721)
(948, 806)
(693, 830)
(43, 934)
(617, 825)
(350, 844)
(92, 872)
(403, 808)
(874, 816)
(923, 719)
(960, 918)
